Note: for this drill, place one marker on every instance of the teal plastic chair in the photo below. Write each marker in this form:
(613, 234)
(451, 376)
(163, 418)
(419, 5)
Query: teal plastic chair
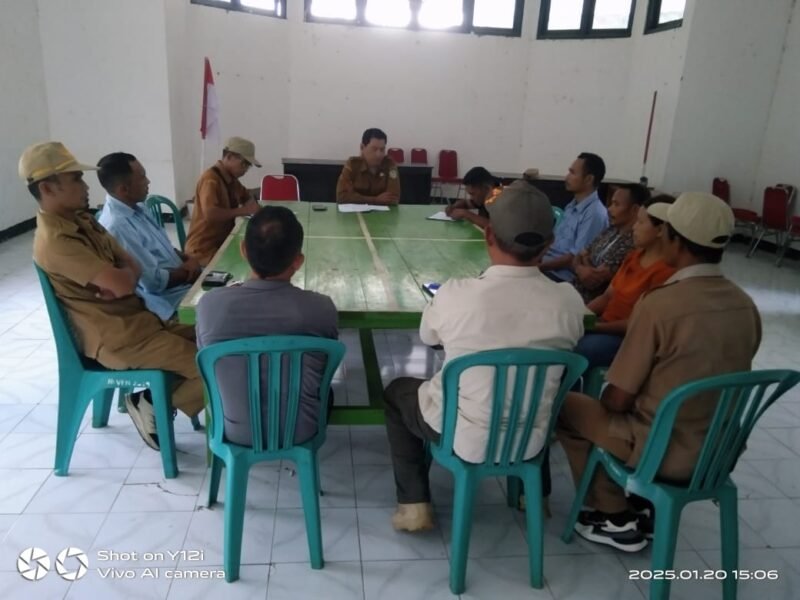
(557, 214)
(82, 380)
(513, 368)
(154, 204)
(284, 354)
(743, 399)
(593, 381)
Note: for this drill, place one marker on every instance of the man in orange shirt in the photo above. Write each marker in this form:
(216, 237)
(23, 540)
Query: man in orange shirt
(220, 198)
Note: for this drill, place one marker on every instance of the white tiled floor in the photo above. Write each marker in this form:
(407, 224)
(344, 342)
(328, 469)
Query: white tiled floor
(116, 499)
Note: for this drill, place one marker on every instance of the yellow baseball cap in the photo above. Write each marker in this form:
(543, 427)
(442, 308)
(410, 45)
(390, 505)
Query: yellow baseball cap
(245, 148)
(46, 159)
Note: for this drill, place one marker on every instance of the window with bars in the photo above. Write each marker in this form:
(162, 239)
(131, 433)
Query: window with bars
(493, 17)
(562, 19)
(271, 8)
(664, 14)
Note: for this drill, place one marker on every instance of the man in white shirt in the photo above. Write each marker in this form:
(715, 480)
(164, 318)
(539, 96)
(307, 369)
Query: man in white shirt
(512, 304)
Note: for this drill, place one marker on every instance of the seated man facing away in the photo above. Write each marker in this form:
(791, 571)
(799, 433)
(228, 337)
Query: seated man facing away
(510, 305)
(267, 304)
(95, 279)
(220, 198)
(595, 266)
(372, 177)
(166, 273)
(480, 185)
(642, 270)
(584, 217)
(698, 324)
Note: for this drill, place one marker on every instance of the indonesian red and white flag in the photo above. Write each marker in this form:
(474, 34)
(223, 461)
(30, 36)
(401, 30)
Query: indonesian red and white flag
(209, 122)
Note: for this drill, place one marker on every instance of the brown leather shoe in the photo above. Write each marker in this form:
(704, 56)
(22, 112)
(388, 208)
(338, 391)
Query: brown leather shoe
(413, 517)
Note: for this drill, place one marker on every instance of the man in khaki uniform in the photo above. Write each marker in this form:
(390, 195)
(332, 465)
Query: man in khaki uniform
(371, 178)
(220, 198)
(95, 279)
(698, 324)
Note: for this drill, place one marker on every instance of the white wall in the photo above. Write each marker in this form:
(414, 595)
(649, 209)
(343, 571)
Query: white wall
(106, 78)
(734, 52)
(780, 156)
(23, 106)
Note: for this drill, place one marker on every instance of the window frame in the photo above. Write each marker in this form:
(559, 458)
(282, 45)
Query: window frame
(585, 32)
(651, 24)
(468, 7)
(236, 6)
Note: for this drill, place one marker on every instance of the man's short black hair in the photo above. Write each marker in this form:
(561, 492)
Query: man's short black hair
(662, 198)
(479, 176)
(702, 253)
(115, 169)
(593, 165)
(273, 239)
(33, 187)
(373, 133)
(638, 194)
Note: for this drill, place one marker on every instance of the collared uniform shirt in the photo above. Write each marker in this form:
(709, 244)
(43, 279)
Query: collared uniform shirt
(506, 307)
(698, 324)
(216, 187)
(357, 182)
(579, 225)
(72, 253)
(138, 233)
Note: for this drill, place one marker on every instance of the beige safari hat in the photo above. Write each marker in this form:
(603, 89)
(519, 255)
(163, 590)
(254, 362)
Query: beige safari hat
(699, 217)
(48, 158)
(245, 148)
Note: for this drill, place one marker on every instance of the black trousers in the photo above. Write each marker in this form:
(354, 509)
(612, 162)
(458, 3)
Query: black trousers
(408, 432)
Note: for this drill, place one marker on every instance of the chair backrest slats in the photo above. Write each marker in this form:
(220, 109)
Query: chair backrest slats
(69, 357)
(539, 379)
(154, 204)
(500, 381)
(293, 404)
(517, 400)
(274, 367)
(254, 398)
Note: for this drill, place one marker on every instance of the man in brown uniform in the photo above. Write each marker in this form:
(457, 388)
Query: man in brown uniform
(371, 178)
(698, 324)
(95, 279)
(219, 199)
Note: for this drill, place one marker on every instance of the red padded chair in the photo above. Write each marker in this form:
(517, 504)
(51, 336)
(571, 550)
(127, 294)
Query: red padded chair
(775, 215)
(447, 172)
(746, 218)
(419, 156)
(721, 189)
(280, 187)
(397, 155)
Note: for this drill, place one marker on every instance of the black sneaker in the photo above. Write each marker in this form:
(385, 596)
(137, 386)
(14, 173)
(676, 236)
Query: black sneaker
(140, 410)
(645, 514)
(619, 531)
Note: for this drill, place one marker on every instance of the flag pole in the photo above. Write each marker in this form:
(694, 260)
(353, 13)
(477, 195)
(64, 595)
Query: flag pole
(643, 178)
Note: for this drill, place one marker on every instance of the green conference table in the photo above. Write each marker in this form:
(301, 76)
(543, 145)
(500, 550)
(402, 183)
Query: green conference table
(373, 266)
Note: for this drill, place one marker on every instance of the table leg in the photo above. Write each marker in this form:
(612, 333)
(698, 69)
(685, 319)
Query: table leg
(364, 415)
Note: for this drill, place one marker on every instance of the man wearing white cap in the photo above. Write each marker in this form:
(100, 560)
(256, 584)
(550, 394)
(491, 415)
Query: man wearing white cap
(220, 198)
(698, 324)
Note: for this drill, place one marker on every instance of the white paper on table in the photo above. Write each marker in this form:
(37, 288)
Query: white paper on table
(442, 216)
(357, 208)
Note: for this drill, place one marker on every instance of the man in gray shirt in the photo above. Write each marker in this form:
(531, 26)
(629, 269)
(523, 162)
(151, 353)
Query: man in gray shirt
(267, 304)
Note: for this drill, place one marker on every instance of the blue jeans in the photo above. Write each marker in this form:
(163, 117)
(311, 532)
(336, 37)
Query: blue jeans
(599, 348)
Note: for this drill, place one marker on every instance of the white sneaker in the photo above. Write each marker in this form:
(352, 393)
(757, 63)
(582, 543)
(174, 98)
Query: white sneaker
(141, 413)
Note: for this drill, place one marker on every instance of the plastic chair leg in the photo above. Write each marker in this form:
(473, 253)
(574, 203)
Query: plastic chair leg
(101, 408)
(166, 433)
(580, 494)
(213, 481)
(463, 502)
(72, 405)
(534, 522)
(235, 497)
(309, 490)
(729, 529)
(665, 536)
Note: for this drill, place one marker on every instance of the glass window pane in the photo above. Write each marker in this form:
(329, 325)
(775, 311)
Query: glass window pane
(671, 10)
(334, 9)
(611, 14)
(440, 14)
(391, 13)
(565, 14)
(268, 5)
(494, 13)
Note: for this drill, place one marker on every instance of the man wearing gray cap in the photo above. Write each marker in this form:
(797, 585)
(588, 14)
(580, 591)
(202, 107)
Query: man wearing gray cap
(220, 198)
(510, 305)
(698, 324)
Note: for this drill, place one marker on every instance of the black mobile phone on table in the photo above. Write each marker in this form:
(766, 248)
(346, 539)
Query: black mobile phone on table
(216, 279)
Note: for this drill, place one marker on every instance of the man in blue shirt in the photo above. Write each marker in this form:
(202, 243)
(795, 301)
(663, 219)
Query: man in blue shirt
(584, 218)
(166, 273)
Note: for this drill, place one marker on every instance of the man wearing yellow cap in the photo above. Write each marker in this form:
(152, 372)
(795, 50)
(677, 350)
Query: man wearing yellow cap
(220, 198)
(698, 324)
(95, 279)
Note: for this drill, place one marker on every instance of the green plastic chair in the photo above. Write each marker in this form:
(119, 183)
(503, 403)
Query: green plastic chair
(513, 369)
(593, 381)
(154, 204)
(557, 214)
(742, 400)
(284, 364)
(82, 380)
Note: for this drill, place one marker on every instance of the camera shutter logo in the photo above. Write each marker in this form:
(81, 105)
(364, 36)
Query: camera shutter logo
(33, 563)
(79, 556)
